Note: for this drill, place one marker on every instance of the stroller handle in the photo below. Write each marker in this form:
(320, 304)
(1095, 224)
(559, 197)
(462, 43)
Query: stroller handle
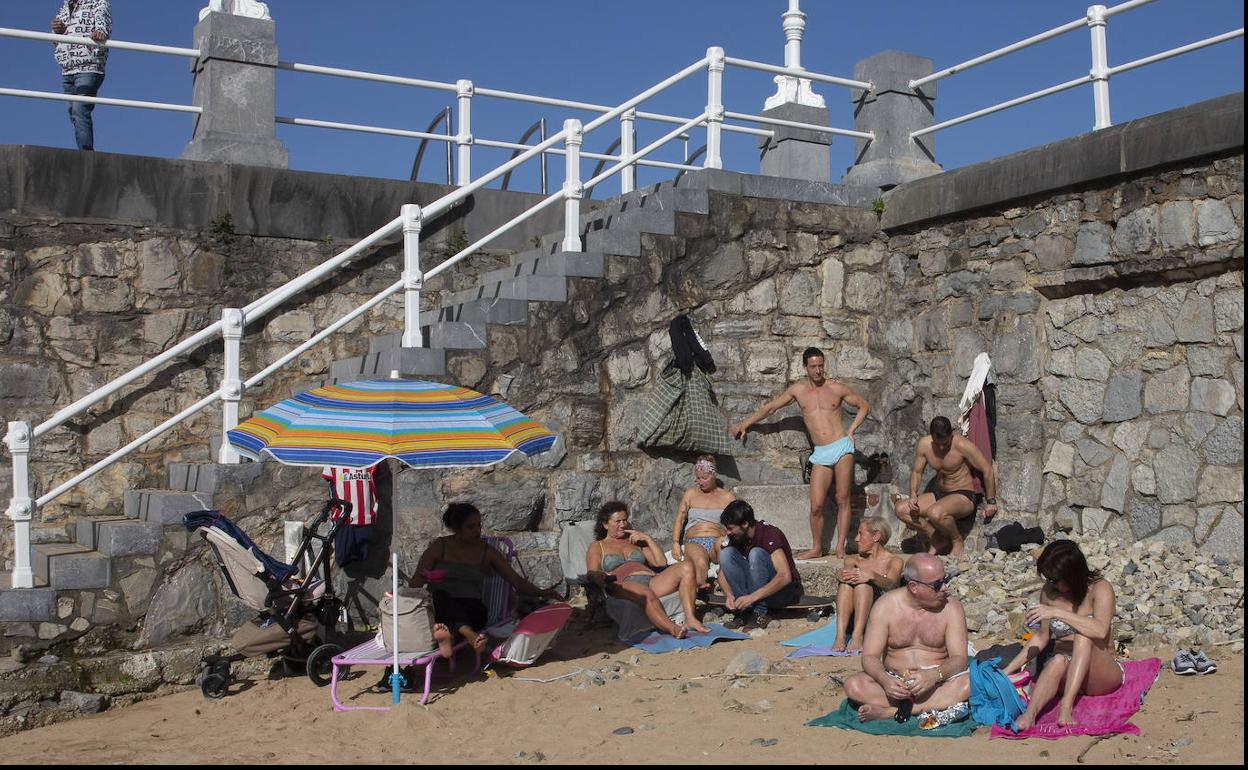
(331, 505)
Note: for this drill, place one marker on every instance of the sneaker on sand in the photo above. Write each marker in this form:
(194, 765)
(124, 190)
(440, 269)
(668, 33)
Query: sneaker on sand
(1204, 664)
(1184, 663)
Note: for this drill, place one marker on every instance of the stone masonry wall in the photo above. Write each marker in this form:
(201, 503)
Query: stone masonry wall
(83, 303)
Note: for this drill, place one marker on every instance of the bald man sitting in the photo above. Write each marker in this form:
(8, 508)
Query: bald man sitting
(914, 654)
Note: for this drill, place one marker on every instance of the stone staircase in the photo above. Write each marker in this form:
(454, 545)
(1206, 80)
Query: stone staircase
(108, 548)
(110, 552)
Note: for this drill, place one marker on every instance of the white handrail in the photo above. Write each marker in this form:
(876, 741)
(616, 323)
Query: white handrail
(978, 60)
(470, 249)
(1004, 105)
(104, 391)
(647, 149)
(797, 124)
(50, 95)
(27, 34)
(164, 427)
(588, 155)
(1177, 51)
(364, 129)
(362, 75)
(797, 73)
(1069, 26)
(380, 297)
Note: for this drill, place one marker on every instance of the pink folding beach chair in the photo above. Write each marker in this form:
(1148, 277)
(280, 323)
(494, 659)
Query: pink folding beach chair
(499, 598)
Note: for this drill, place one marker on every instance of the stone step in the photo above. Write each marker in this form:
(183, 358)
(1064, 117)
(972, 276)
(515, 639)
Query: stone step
(163, 507)
(665, 196)
(787, 506)
(209, 477)
(541, 288)
(622, 241)
(451, 335)
(70, 565)
(36, 604)
(582, 264)
(508, 312)
(120, 536)
(408, 362)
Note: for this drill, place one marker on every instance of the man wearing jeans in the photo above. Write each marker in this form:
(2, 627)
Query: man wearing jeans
(756, 568)
(82, 66)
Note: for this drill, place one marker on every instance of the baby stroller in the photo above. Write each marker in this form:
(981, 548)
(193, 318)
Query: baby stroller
(295, 611)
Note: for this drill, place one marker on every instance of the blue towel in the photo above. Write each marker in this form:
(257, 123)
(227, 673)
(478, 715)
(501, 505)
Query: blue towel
(812, 650)
(823, 636)
(658, 643)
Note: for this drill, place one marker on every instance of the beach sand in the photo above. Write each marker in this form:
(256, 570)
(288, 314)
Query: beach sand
(479, 719)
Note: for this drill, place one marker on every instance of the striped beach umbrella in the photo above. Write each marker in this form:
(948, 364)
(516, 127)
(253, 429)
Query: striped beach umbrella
(424, 424)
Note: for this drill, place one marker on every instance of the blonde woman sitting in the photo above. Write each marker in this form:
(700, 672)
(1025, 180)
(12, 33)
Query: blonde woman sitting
(864, 578)
(696, 532)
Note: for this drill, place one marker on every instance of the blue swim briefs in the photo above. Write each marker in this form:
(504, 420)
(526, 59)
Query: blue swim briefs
(829, 454)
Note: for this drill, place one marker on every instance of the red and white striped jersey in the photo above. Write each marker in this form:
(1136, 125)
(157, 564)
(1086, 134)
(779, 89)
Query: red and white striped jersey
(355, 485)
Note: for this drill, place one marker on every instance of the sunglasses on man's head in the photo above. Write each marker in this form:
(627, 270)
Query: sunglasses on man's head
(935, 585)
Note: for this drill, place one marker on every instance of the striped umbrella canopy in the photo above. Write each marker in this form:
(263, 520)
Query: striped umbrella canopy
(424, 424)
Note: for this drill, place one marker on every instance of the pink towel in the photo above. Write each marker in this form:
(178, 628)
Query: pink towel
(1097, 714)
(980, 435)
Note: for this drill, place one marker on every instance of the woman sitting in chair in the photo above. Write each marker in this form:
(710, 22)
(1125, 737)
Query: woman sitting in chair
(625, 563)
(864, 578)
(455, 567)
(1076, 644)
(696, 532)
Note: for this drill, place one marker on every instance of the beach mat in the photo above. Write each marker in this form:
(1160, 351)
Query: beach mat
(846, 718)
(823, 636)
(659, 643)
(804, 603)
(1097, 714)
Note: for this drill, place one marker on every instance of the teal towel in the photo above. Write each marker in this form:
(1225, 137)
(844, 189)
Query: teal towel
(846, 718)
(823, 636)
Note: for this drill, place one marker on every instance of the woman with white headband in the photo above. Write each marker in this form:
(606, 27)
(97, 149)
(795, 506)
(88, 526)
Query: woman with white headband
(696, 532)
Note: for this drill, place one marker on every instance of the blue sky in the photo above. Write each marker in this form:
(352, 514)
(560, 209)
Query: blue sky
(605, 52)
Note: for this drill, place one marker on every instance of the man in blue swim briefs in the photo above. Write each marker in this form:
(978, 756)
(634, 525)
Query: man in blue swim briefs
(820, 400)
(936, 513)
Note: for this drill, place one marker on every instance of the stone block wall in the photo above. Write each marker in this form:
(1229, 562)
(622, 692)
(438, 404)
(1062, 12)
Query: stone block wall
(1114, 318)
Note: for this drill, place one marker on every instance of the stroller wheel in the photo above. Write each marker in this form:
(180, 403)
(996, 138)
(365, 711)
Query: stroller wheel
(214, 685)
(320, 663)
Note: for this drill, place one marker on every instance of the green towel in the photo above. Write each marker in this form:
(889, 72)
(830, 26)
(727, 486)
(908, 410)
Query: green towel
(846, 718)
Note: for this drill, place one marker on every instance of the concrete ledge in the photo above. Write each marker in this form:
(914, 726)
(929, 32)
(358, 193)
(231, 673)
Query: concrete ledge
(1213, 127)
(271, 202)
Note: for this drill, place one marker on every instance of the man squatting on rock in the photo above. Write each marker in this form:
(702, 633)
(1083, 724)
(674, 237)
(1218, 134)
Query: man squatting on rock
(936, 513)
(914, 654)
(820, 400)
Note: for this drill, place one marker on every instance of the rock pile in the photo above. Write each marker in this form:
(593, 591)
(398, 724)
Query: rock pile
(1167, 594)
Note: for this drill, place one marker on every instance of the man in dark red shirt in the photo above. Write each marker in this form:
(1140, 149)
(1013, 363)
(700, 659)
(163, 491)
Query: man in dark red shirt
(756, 568)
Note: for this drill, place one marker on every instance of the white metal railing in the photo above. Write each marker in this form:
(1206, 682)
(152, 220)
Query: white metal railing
(466, 92)
(1096, 21)
(21, 435)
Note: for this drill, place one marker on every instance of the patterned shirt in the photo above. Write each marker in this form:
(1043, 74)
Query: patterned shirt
(81, 18)
(355, 485)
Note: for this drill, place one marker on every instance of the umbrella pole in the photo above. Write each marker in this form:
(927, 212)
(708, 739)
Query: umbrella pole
(395, 676)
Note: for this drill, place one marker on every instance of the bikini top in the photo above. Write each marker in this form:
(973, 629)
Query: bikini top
(703, 516)
(1060, 629)
(612, 566)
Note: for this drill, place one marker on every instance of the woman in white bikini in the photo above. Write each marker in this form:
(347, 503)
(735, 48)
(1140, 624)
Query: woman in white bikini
(1076, 645)
(696, 532)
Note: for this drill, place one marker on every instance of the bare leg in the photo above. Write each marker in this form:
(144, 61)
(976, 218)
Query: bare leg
(476, 640)
(875, 703)
(944, 517)
(645, 598)
(701, 563)
(844, 473)
(1045, 687)
(863, 599)
(820, 479)
(680, 577)
(844, 611)
(446, 642)
(915, 520)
